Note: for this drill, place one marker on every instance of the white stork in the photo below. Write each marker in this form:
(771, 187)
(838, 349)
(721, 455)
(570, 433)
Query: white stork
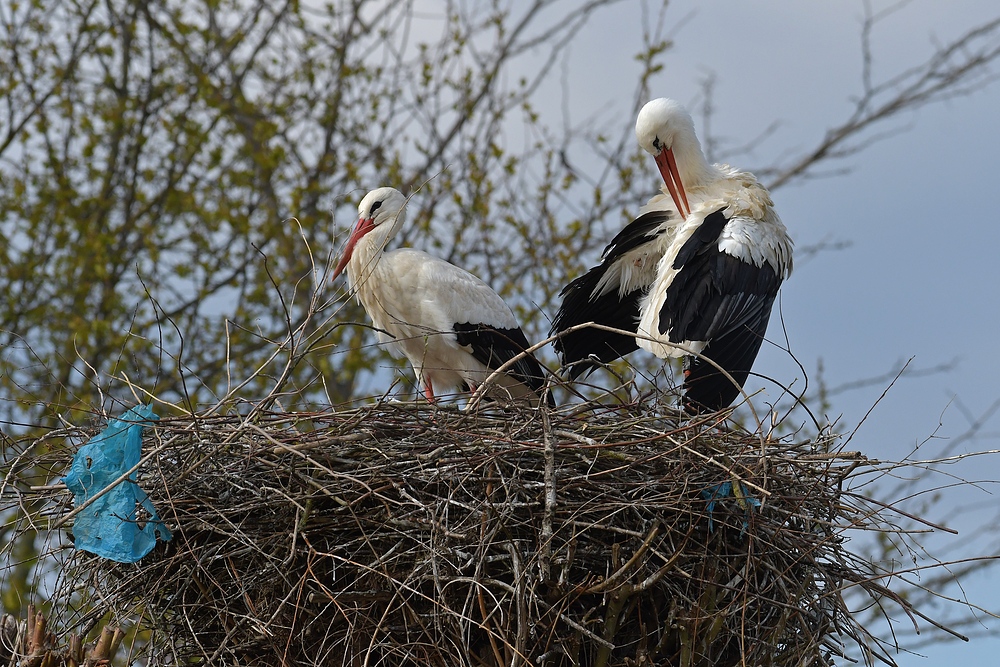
(699, 268)
(450, 325)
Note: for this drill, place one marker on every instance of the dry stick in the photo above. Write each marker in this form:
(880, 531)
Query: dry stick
(643, 585)
(612, 616)
(613, 579)
(306, 457)
(520, 645)
(293, 356)
(912, 611)
(13, 469)
(401, 585)
(479, 591)
(545, 554)
(570, 435)
(489, 631)
(150, 397)
(621, 596)
(712, 460)
(576, 626)
(908, 515)
(289, 341)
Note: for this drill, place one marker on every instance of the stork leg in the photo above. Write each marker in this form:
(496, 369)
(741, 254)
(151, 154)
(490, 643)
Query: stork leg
(429, 391)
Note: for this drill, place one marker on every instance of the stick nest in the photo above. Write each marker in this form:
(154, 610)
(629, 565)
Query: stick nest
(401, 534)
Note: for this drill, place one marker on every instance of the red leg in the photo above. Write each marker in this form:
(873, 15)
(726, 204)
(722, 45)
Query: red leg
(429, 391)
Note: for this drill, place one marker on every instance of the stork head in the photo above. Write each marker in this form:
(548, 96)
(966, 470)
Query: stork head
(665, 130)
(382, 206)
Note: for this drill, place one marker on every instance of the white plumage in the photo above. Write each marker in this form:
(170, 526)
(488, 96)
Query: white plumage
(450, 325)
(699, 268)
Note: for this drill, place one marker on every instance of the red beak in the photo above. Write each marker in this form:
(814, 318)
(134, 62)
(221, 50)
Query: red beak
(363, 227)
(672, 178)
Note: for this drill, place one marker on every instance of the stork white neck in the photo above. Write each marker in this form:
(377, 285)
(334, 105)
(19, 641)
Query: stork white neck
(665, 130)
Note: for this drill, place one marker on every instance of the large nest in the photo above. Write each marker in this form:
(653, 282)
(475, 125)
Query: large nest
(401, 534)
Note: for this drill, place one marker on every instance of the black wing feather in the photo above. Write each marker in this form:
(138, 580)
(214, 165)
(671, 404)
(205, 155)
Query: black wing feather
(494, 347)
(708, 390)
(634, 234)
(721, 299)
(586, 349)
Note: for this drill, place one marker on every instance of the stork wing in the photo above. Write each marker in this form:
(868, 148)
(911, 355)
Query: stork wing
(584, 350)
(705, 388)
(644, 229)
(724, 300)
(494, 347)
(598, 296)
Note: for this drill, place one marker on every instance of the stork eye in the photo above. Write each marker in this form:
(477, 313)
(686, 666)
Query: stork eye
(657, 144)
(375, 207)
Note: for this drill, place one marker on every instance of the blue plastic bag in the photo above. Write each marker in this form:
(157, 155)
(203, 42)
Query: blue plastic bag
(109, 527)
(723, 491)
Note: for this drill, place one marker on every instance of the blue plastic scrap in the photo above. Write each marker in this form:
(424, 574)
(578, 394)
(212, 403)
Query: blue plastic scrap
(110, 526)
(724, 490)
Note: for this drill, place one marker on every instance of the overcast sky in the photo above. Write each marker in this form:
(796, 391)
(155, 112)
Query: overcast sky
(919, 208)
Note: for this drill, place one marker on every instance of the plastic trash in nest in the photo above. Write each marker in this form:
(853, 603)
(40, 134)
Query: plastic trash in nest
(122, 524)
(723, 491)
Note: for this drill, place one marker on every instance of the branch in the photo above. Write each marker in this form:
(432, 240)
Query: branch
(958, 68)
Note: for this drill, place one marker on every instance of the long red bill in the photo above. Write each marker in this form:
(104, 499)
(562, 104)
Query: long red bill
(363, 227)
(667, 165)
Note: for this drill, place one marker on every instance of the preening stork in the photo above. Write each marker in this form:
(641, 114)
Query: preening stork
(699, 268)
(450, 325)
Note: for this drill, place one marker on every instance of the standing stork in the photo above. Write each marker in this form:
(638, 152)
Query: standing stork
(696, 272)
(450, 325)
